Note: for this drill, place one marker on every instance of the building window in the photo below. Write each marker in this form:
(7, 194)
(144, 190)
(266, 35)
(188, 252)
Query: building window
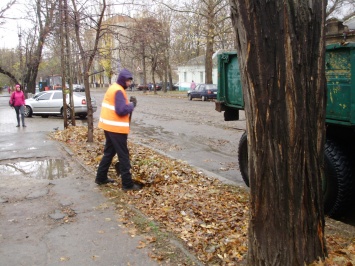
(201, 77)
(185, 77)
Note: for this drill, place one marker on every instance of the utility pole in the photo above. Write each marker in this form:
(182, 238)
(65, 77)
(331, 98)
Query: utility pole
(20, 51)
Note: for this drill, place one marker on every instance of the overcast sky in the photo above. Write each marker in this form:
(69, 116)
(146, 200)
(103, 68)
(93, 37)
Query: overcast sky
(9, 30)
(16, 18)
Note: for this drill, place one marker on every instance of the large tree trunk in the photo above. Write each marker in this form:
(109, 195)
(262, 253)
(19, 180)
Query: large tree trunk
(281, 56)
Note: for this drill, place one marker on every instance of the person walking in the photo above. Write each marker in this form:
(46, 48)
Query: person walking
(193, 85)
(17, 100)
(114, 119)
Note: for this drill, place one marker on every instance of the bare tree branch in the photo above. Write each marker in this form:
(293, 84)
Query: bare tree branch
(10, 75)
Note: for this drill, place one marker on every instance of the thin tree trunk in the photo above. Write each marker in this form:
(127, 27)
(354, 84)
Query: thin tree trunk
(87, 59)
(62, 64)
(144, 69)
(208, 61)
(68, 58)
(281, 46)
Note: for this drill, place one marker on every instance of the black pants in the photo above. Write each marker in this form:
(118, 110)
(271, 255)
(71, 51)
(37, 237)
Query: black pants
(116, 143)
(20, 110)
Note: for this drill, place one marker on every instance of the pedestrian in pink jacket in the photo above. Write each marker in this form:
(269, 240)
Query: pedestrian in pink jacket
(18, 102)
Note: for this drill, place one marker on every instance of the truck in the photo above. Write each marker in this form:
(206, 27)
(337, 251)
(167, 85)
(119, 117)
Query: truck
(339, 151)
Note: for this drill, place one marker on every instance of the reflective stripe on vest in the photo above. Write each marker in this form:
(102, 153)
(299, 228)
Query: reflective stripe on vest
(109, 119)
(106, 105)
(114, 123)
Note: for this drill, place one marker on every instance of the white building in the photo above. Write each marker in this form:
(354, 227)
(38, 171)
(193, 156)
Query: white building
(194, 70)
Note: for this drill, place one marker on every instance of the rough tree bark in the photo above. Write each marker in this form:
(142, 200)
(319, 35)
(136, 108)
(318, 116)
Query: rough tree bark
(281, 46)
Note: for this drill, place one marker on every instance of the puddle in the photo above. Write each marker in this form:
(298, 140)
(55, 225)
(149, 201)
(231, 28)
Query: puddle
(45, 169)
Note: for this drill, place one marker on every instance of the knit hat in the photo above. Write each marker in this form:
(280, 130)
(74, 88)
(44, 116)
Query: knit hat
(17, 86)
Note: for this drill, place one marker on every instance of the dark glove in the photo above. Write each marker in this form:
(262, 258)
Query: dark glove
(133, 100)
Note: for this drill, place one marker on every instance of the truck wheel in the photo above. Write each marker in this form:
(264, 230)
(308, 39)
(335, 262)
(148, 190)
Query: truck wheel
(243, 157)
(337, 186)
(203, 98)
(190, 97)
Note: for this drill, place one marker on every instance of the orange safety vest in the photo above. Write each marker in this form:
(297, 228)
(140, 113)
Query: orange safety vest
(109, 119)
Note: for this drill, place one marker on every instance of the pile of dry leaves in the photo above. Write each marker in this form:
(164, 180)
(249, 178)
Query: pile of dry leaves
(210, 217)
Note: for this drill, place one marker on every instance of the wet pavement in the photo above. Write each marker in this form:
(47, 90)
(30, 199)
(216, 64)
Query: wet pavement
(41, 182)
(51, 211)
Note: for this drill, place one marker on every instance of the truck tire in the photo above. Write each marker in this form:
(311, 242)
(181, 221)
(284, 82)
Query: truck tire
(243, 157)
(337, 186)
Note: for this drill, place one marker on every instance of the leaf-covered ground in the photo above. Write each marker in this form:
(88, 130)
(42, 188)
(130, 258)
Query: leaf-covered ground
(209, 217)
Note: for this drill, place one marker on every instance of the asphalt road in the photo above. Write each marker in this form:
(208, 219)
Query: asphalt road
(190, 131)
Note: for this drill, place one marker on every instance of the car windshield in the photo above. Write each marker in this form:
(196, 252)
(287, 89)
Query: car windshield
(38, 94)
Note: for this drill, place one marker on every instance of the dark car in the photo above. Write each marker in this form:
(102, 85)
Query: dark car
(78, 87)
(175, 86)
(204, 92)
(158, 86)
(149, 86)
(141, 87)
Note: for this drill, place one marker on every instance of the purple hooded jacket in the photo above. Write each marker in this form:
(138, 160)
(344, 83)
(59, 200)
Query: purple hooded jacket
(121, 107)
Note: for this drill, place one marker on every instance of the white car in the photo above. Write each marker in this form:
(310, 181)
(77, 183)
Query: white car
(48, 103)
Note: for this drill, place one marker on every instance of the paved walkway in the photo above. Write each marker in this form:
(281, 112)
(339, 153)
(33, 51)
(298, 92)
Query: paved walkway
(51, 212)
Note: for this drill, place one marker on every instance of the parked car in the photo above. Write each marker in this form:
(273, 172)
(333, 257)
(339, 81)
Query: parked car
(78, 87)
(176, 86)
(204, 92)
(158, 86)
(48, 103)
(141, 87)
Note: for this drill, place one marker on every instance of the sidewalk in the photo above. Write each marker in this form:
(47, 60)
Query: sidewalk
(51, 211)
